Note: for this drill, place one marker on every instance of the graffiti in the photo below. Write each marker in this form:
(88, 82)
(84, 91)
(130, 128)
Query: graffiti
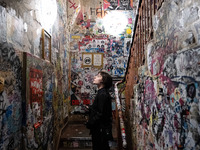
(118, 66)
(3, 17)
(66, 86)
(29, 113)
(168, 101)
(160, 50)
(191, 91)
(174, 64)
(118, 4)
(93, 45)
(99, 12)
(191, 15)
(82, 89)
(78, 102)
(197, 27)
(127, 46)
(10, 97)
(73, 4)
(89, 36)
(36, 95)
(39, 108)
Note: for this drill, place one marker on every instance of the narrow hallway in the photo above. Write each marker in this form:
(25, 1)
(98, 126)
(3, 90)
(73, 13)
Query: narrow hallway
(51, 56)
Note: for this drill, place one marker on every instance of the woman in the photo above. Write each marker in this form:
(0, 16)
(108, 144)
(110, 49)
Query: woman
(100, 113)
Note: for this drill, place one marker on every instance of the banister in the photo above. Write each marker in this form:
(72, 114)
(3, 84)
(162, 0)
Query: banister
(142, 33)
(119, 108)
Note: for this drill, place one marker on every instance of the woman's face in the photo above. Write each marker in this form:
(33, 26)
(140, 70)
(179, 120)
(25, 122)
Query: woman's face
(97, 79)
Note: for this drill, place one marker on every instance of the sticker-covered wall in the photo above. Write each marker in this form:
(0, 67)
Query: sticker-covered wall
(10, 97)
(34, 73)
(166, 103)
(40, 83)
(100, 39)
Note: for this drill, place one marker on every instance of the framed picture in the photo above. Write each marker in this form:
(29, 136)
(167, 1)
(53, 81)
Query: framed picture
(46, 45)
(87, 59)
(98, 60)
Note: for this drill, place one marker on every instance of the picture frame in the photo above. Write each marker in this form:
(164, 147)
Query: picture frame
(87, 59)
(46, 45)
(97, 60)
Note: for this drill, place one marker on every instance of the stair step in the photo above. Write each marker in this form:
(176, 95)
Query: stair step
(82, 143)
(75, 136)
(73, 149)
(77, 142)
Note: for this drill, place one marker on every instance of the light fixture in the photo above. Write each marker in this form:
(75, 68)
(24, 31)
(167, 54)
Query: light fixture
(48, 13)
(115, 22)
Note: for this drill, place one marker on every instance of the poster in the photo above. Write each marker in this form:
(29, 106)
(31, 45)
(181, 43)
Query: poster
(36, 94)
(98, 60)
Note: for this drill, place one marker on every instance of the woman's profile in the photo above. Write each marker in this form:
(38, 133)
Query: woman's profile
(100, 113)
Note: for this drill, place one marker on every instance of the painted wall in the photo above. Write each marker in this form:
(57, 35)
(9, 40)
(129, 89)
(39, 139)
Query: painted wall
(166, 105)
(34, 93)
(10, 97)
(39, 113)
(100, 39)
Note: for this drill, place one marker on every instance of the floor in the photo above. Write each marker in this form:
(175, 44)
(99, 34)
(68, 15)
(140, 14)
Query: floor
(75, 136)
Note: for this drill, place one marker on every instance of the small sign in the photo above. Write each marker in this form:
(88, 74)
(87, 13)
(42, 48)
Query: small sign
(98, 60)
(87, 59)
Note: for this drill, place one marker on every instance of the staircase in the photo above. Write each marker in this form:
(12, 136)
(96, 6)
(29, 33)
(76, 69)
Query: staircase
(75, 136)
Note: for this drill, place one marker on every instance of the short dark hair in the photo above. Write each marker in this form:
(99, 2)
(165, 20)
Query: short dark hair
(107, 79)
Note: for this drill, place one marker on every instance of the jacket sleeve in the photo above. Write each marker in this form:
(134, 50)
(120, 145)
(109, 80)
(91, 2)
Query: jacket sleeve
(104, 104)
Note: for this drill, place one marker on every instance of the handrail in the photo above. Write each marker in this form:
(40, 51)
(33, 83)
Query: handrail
(119, 108)
(143, 33)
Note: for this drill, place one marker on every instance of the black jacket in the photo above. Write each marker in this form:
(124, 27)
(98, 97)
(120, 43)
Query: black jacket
(100, 113)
